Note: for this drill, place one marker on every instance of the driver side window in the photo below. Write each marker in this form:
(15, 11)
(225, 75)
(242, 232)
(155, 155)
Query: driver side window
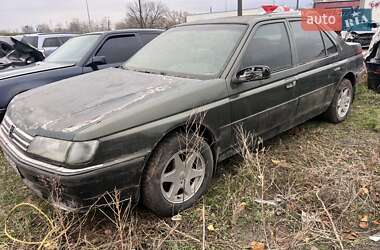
(119, 49)
(270, 46)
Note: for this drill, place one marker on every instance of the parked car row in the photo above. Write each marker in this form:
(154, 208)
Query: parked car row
(80, 55)
(27, 49)
(127, 128)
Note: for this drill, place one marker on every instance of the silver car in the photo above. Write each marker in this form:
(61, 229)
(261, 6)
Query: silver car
(46, 43)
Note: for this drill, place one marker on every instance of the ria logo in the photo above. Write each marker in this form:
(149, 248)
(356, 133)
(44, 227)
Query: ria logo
(356, 19)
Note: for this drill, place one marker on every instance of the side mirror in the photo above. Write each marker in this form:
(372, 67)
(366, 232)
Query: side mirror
(253, 73)
(96, 61)
(374, 25)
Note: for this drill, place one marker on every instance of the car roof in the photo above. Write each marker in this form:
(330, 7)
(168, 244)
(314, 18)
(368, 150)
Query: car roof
(115, 32)
(248, 19)
(51, 34)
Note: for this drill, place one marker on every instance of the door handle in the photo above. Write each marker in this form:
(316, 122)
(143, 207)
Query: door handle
(291, 85)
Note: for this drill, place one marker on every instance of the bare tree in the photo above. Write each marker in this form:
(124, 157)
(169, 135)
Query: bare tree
(28, 29)
(76, 26)
(146, 14)
(121, 25)
(59, 28)
(43, 28)
(174, 17)
(102, 25)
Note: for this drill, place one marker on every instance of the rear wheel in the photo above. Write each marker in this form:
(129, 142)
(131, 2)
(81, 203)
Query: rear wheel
(341, 104)
(177, 175)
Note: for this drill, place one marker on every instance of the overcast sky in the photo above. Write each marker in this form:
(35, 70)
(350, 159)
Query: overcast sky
(17, 13)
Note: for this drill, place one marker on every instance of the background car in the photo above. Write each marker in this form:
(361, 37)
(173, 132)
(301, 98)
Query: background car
(372, 59)
(362, 37)
(6, 45)
(80, 55)
(19, 54)
(46, 43)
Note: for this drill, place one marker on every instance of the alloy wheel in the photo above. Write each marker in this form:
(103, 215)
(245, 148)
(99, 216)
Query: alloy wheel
(183, 175)
(344, 102)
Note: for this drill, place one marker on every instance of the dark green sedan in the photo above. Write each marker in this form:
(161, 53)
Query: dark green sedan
(156, 128)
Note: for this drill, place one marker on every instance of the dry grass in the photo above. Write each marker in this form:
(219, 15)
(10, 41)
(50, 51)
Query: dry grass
(309, 187)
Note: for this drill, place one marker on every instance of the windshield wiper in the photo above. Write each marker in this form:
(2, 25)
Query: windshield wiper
(145, 71)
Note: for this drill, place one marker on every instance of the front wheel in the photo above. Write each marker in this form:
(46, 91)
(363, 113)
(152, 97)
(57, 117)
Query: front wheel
(341, 104)
(177, 174)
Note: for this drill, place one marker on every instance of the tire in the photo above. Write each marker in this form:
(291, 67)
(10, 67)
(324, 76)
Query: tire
(341, 104)
(167, 184)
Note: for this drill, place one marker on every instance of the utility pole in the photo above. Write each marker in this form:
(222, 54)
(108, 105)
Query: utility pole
(141, 15)
(298, 5)
(240, 7)
(108, 23)
(89, 17)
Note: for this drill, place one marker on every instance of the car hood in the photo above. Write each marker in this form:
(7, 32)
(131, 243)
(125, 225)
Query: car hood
(24, 48)
(31, 69)
(112, 100)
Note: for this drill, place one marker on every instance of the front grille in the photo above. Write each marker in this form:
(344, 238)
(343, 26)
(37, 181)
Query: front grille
(15, 135)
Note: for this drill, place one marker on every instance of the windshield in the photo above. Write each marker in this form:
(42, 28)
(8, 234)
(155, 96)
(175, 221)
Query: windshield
(196, 50)
(73, 50)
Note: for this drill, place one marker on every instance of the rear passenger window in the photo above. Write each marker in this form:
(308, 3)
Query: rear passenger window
(51, 42)
(119, 49)
(269, 46)
(147, 37)
(330, 46)
(64, 39)
(309, 43)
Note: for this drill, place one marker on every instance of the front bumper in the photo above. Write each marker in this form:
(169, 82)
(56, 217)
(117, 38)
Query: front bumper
(373, 81)
(76, 189)
(373, 75)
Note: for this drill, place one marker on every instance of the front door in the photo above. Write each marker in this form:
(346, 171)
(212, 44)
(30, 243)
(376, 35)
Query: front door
(117, 50)
(266, 107)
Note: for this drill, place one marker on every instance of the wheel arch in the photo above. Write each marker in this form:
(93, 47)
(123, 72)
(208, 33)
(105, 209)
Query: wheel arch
(204, 131)
(352, 78)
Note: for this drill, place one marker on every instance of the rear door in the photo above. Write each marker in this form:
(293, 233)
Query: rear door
(316, 71)
(266, 107)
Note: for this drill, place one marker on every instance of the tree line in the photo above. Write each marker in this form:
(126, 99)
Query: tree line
(139, 14)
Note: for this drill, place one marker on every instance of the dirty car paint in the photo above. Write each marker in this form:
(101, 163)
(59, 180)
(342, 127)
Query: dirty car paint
(122, 99)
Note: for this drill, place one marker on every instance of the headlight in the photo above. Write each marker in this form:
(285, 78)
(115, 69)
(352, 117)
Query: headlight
(351, 36)
(51, 149)
(63, 151)
(81, 152)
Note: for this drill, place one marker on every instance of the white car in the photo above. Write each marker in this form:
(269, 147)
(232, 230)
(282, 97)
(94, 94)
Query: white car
(46, 43)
